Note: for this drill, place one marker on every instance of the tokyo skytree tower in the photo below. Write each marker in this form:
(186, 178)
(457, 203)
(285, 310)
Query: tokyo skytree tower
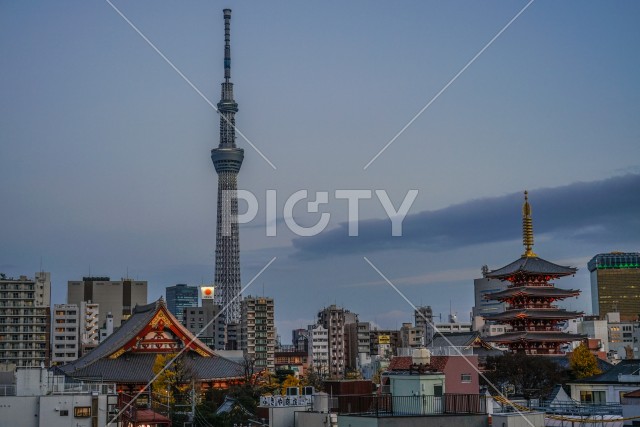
(227, 159)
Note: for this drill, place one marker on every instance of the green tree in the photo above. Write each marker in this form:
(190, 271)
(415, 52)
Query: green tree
(583, 363)
(313, 378)
(531, 376)
(289, 381)
(172, 387)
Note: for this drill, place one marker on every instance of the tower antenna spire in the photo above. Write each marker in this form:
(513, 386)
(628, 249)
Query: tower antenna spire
(227, 45)
(527, 228)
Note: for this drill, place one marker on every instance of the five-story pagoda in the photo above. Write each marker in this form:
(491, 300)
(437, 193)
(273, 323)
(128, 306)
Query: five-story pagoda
(530, 295)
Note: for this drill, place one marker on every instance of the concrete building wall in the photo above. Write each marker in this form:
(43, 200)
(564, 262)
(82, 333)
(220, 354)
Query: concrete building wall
(54, 410)
(108, 295)
(315, 419)
(595, 328)
(526, 419)
(138, 293)
(417, 385)
(466, 420)
(19, 411)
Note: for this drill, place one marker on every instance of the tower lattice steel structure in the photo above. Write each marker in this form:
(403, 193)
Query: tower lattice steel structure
(227, 159)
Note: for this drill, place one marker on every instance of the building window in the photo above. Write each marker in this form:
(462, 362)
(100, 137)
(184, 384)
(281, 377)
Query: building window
(592, 396)
(64, 412)
(465, 378)
(437, 390)
(82, 411)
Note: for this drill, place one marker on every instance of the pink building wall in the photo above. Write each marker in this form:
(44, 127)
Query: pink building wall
(455, 368)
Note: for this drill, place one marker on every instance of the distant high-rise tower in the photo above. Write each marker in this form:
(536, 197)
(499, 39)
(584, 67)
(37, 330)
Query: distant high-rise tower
(179, 297)
(615, 284)
(227, 159)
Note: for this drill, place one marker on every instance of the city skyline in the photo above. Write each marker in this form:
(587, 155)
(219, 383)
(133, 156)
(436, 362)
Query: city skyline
(105, 146)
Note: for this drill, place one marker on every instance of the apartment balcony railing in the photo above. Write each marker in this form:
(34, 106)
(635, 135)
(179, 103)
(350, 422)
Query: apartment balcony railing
(397, 406)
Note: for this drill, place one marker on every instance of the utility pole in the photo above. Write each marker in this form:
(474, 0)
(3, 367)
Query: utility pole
(193, 401)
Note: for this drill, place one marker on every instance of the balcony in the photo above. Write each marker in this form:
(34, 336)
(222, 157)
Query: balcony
(403, 406)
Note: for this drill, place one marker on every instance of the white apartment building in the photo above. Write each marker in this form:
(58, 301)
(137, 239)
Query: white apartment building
(89, 326)
(75, 331)
(319, 349)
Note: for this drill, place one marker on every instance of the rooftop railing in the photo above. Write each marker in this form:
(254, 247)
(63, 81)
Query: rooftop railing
(398, 406)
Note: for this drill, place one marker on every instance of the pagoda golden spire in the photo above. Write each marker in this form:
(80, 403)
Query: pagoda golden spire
(527, 228)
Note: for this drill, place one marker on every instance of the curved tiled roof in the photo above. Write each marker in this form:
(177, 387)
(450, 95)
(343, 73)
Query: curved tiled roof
(630, 367)
(526, 313)
(535, 336)
(138, 368)
(534, 291)
(531, 265)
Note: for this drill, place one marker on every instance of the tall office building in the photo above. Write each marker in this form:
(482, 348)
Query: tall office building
(615, 284)
(25, 320)
(227, 159)
(116, 297)
(179, 297)
(257, 331)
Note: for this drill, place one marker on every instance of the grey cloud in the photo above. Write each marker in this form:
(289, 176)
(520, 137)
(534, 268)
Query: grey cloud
(606, 212)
